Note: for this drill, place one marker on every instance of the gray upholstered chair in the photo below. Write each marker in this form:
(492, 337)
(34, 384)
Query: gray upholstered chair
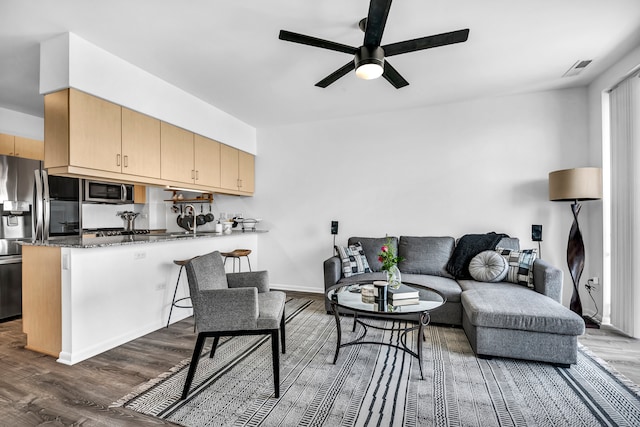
(233, 304)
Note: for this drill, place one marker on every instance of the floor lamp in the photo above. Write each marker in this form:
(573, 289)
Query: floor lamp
(575, 185)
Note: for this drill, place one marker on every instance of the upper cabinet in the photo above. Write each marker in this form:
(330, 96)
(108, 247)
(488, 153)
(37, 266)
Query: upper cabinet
(95, 129)
(84, 131)
(246, 172)
(89, 137)
(189, 158)
(237, 170)
(207, 161)
(176, 153)
(140, 144)
(18, 146)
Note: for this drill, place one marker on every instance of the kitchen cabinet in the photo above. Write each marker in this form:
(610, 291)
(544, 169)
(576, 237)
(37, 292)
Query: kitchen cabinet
(176, 154)
(18, 146)
(189, 158)
(42, 299)
(95, 127)
(139, 194)
(246, 172)
(140, 144)
(207, 161)
(7, 144)
(237, 169)
(88, 137)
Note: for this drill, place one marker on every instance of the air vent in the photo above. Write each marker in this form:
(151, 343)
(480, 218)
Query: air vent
(577, 68)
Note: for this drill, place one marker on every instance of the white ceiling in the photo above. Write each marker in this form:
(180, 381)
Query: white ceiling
(227, 52)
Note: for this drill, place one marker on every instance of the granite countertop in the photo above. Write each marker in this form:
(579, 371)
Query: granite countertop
(99, 242)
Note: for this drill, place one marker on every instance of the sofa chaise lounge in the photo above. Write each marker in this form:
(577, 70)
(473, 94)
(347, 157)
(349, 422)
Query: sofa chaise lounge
(502, 318)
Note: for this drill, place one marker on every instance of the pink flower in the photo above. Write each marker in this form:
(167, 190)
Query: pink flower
(385, 248)
(380, 259)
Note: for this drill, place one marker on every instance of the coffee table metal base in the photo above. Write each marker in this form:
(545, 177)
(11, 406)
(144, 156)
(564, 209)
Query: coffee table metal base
(424, 320)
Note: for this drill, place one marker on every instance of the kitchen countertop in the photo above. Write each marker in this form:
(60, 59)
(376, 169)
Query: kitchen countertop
(99, 242)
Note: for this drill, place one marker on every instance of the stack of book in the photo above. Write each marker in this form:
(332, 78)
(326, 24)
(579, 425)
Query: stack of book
(403, 295)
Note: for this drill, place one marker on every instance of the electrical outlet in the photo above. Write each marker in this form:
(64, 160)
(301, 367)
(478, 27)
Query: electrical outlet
(592, 284)
(161, 286)
(139, 255)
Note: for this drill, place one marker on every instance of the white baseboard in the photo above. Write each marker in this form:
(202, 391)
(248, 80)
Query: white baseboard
(280, 287)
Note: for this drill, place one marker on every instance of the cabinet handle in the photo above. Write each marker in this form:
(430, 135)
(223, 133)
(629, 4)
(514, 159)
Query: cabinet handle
(117, 159)
(239, 183)
(197, 175)
(193, 174)
(126, 161)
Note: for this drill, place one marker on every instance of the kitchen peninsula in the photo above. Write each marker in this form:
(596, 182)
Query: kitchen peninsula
(83, 296)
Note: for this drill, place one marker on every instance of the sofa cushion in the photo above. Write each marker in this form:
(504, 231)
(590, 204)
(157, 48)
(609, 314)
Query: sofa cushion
(371, 247)
(488, 266)
(520, 265)
(519, 308)
(353, 260)
(425, 255)
(448, 287)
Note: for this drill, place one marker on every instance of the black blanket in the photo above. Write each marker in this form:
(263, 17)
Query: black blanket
(469, 246)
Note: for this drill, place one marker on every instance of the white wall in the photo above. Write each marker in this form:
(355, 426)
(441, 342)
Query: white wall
(25, 125)
(470, 167)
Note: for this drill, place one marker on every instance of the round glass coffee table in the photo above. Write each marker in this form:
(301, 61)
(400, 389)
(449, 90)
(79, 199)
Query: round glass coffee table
(351, 298)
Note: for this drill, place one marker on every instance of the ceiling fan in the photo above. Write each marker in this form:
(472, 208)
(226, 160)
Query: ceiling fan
(369, 59)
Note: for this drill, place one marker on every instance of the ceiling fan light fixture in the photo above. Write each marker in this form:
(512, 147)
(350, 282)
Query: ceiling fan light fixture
(369, 62)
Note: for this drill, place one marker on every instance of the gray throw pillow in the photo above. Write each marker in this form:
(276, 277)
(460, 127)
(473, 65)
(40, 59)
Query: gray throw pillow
(488, 266)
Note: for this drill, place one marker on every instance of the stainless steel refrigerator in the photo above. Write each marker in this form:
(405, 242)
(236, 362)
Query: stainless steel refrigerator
(30, 201)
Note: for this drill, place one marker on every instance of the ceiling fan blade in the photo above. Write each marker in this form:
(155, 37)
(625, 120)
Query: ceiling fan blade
(393, 76)
(316, 42)
(342, 71)
(376, 20)
(426, 42)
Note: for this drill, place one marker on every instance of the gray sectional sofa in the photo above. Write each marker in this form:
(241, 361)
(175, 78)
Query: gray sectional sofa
(500, 319)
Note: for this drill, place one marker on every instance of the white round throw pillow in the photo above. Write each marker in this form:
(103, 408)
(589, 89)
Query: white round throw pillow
(488, 266)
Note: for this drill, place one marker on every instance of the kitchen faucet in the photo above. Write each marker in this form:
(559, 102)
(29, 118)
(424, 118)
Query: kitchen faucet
(193, 214)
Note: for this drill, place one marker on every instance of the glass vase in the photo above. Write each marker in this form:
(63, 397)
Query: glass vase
(393, 277)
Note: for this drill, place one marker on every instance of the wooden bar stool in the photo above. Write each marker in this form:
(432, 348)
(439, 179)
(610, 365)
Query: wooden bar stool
(176, 302)
(236, 254)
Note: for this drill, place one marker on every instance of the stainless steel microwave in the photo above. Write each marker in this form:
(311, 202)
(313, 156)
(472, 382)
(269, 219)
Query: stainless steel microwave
(107, 192)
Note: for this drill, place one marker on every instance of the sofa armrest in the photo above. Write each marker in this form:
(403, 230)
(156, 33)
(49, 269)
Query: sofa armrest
(547, 279)
(332, 272)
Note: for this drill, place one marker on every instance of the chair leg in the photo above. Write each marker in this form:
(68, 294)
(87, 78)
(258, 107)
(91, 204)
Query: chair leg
(276, 361)
(194, 364)
(249, 262)
(214, 346)
(282, 337)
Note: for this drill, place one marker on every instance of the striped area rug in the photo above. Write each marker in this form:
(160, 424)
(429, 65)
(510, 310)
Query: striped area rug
(380, 385)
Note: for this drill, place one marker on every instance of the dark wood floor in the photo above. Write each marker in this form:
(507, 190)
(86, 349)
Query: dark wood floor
(36, 390)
